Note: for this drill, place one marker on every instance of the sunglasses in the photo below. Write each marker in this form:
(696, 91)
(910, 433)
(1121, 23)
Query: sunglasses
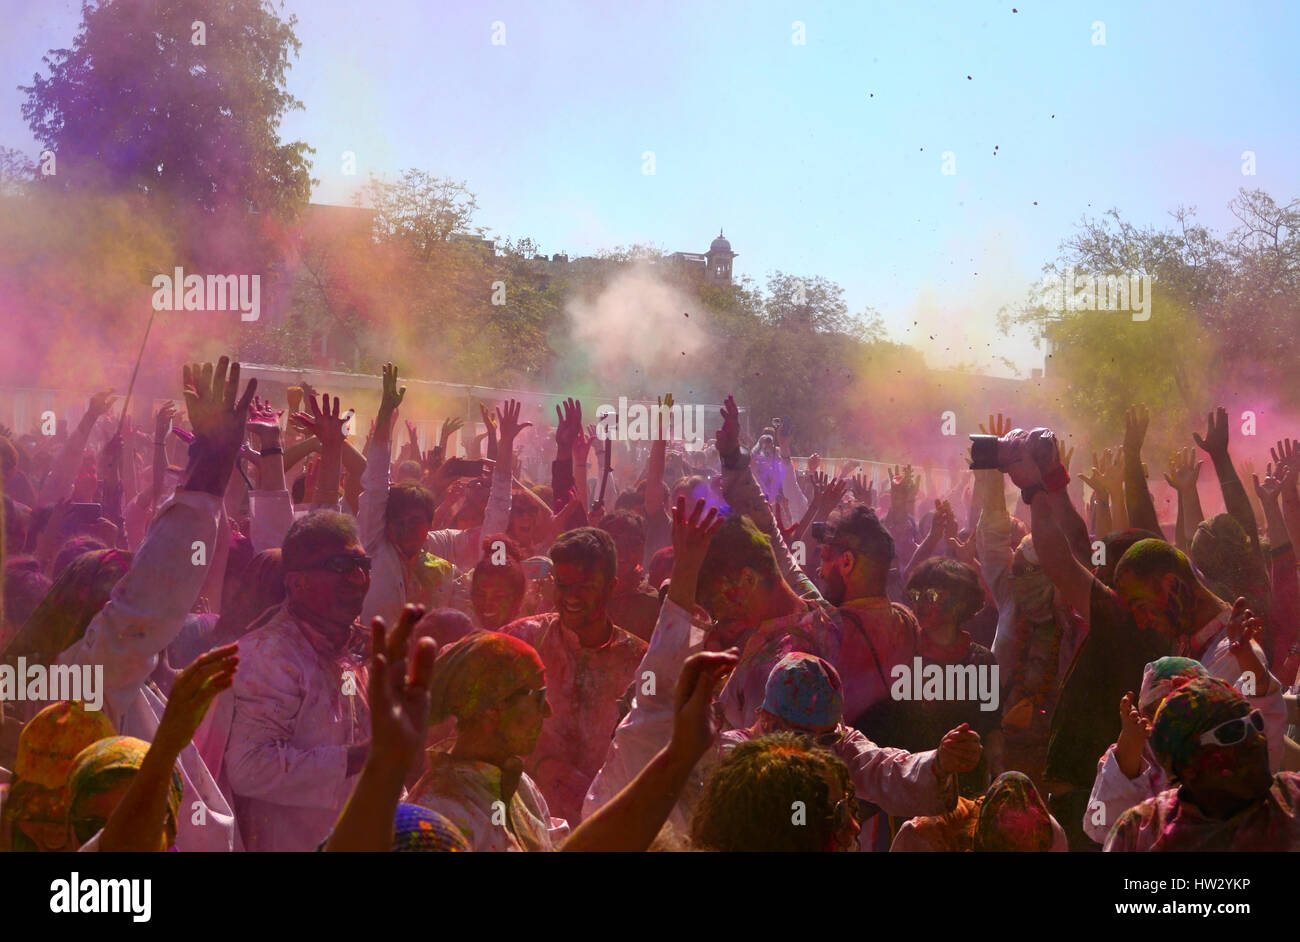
(1233, 731)
(343, 564)
(538, 696)
(829, 738)
(929, 595)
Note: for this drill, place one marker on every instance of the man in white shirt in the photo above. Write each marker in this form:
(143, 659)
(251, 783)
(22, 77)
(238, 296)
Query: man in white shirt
(298, 736)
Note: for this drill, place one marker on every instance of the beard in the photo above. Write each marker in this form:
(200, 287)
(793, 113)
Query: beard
(836, 590)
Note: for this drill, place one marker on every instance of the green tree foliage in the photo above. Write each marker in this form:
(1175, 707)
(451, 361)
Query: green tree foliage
(1222, 312)
(146, 100)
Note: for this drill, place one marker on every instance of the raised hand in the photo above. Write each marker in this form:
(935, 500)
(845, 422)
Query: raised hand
(1183, 469)
(449, 428)
(903, 486)
(582, 445)
(814, 462)
(508, 419)
(827, 493)
(1286, 454)
(193, 692)
(489, 420)
(944, 523)
(1133, 733)
(784, 436)
(100, 403)
(263, 417)
(964, 552)
(399, 696)
(863, 490)
(729, 434)
(568, 424)
(1136, 420)
(665, 401)
(324, 423)
(1287, 474)
(1269, 491)
(217, 419)
(695, 726)
(1063, 455)
(693, 534)
(1243, 628)
(390, 397)
(1215, 442)
(1109, 473)
(162, 421)
(998, 426)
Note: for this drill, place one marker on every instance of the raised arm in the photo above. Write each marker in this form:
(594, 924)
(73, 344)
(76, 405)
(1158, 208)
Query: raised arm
(1286, 457)
(374, 480)
(1054, 554)
(1182, 475)
(138, 823)
(399, 718)
(149, 604)
(568, 424)
(63, 473)
(490, 426)
(496, 517)
(1107, 482)
(943, 526)
(630, 821)
(1284, 613)
(270, 506)
(656, 495)
(1215, 444)
(581, 455)
(789, 479)
(326, 424)
(1137, 497)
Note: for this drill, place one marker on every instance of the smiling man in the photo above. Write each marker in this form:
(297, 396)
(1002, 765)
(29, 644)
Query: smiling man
(299, 733)
(1159, 587)
(589, 664)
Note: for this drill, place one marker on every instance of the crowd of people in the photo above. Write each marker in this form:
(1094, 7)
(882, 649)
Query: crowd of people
(303, 645)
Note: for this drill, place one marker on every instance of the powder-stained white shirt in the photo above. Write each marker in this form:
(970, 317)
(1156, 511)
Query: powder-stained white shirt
(143, 616)
(298, 704)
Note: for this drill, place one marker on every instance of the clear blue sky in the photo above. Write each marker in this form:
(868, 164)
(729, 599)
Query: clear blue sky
(821, 158)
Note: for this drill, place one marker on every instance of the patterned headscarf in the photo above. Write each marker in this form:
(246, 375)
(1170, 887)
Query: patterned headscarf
(804, 690)
(478, 672)
(1192, 709)
(47, 748)
(1013, 817)
(1162, 677)
(91, 770)
(421, 830)
(72, 603)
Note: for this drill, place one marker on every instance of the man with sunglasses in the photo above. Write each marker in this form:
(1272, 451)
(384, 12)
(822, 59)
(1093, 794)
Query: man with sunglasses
(299, 732)
(1212, 745)
(857, 552)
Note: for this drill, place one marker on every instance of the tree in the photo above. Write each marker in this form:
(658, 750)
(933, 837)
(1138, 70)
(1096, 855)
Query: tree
(1221, 321)
(420, 210)
(17, 172)
(151, 99)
